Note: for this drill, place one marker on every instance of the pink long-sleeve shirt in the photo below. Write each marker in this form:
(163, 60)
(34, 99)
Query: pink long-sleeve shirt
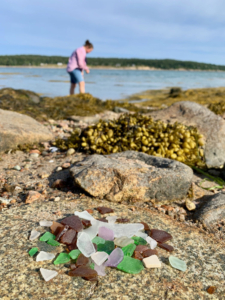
(77, 60)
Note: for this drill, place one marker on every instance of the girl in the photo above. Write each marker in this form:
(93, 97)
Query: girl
(76, 65)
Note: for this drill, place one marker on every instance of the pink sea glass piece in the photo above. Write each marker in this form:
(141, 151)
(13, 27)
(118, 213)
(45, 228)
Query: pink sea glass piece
(100, 270)
(106, 233)
(114, 258)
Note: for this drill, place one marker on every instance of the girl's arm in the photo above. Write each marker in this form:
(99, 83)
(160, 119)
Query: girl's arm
(81, 59)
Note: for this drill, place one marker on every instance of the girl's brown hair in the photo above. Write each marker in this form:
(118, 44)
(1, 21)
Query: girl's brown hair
(88, 44)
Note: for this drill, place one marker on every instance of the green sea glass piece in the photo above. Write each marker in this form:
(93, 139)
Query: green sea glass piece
(33, 251)
(129, 249)
(74, 253)
(47, 236)
(108, 247)
(139, 240)
(177, 263)
(98, 240)
(53, 242)
(62, 258)
(92, 266)
(130, 265)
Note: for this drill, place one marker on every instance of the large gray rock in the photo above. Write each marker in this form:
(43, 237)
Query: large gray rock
(133, 176)
(106, 115)
(208, 123)
(16, 129)
(213, 209)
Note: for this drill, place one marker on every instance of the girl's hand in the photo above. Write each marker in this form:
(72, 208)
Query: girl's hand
(87, 71)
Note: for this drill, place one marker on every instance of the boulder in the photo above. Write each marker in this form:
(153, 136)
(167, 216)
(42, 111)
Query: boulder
(106, 115)
(132, 176)
(213, 209)
(209, 124)
(16, 129)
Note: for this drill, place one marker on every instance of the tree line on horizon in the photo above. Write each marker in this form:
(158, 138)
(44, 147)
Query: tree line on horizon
(37, 60)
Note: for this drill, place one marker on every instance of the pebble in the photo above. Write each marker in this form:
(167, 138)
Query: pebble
(17, 167)
(70, 151)
(34, 155)
(5, 201)
(56, 199)
(152, 262)
(59, 169)
(190, 205)
(48, 274)
(32, 196)
(27, 166)
(66, 165)
(44, 175)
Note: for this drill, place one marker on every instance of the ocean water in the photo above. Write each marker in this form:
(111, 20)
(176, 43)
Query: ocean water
(106, 84)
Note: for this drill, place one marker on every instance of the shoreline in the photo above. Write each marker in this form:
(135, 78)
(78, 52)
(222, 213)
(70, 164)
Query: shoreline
(139, 68)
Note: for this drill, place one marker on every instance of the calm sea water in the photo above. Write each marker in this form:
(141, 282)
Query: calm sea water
(106, 84)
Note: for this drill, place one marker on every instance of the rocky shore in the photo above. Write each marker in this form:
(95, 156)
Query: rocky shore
(39, 181)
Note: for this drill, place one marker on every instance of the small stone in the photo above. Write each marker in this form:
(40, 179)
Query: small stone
(45, 223)
(177, 263)
(53, 242)
(58, 169)
(58, 184)
(34, 234)
(45, 256)
(85, 272)
(123, 241)
(190, 205)
(65, 165)
(35, 151)
(151, 242)
(53, 149)
(18, 168)
(106, 233)
(34, 155)
(99, 257)
(74, 254)
(70, 151)
(100, 270)
(47, 236)
(211, 290)
(111, 219)
(27, 166)
(130, 265)
(62, 258)
(5, 201)
(149, 252)
(129, 249)
(82, 260)
(107, 247)
(85, 245)
(44, 175)
(104, 210)
(139, 240)
(32, 196)
(166, 247)
(33, 251)
(48, 274)
(152, 262)
(114, 258)
(73, 222)
(98, 240)
(56, 199)
(160, 235)
(13, 201)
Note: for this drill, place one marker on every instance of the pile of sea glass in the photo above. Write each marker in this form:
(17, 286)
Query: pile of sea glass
(94, 244)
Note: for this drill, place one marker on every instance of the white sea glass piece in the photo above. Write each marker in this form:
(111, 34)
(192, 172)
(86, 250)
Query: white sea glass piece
(92, 231)
(111, 219)
(123, 241)
(99, 257)
(45, 256)
(151, 242)
(100, 270)
(85, 245)
(142, 234)
(45, 223)
(48, 274)
(34, 234)
(84, 215)
(152, 262)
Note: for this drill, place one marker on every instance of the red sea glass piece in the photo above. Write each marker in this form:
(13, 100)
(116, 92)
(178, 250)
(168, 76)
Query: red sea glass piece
(86, 223)
(123, 220)
(104, 210)
(137, 255)
(146, 227)
(103, 220)
(165, 247)
(160, 236)
(73, 222)
(96, 247)
(141, 248)
(85, 272)
(68, 237)
(82, 260)
(149, 252)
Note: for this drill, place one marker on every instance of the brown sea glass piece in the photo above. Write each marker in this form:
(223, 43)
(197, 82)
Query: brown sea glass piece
(165, 247)
(104, 210)
(137, 255)
(123, 220)
(160, 235)
(211, 290)
(149, 252)
(96, 247)
(146, 227)
(56, 228)
(148, 232)
(90, 211)
(82, 260)
(85, 272)
(61, 233)
(68, 237)
(73, 266)
(73, 222)
(103, 220)
(86, 223)
(141, 248)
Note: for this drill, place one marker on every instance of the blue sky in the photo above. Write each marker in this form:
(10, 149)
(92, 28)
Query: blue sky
(177, 29)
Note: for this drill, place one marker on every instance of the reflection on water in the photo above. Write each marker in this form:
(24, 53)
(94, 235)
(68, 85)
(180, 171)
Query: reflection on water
(107, 84)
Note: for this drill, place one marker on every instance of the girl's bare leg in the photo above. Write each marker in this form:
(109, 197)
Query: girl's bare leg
(82, 87)
(72, 88)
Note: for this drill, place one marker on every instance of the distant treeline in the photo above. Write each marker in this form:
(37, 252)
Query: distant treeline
(37, 60)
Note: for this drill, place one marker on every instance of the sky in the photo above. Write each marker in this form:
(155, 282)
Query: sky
(152, 29)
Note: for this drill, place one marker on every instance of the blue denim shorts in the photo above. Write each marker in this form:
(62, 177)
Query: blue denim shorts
(76, 76)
